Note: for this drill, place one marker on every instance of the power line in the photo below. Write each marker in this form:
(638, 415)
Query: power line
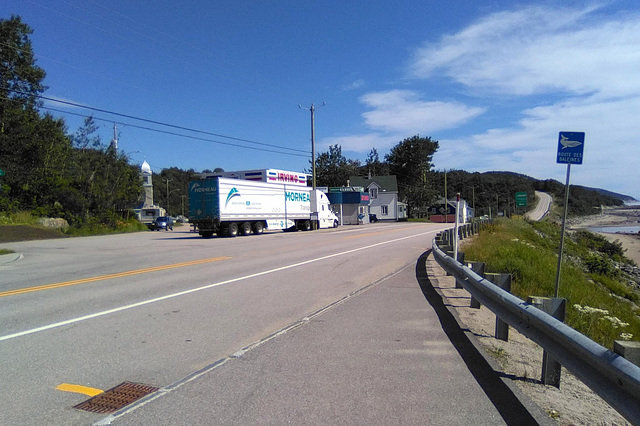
(159, 123)
(177, 134)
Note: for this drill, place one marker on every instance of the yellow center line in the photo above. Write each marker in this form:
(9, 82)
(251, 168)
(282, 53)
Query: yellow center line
(85, 390)
(109, 276)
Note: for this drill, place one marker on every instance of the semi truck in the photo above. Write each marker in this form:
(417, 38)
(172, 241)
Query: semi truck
(230, 207)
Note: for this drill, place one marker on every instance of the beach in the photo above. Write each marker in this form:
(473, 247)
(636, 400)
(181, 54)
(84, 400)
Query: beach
(614, 217)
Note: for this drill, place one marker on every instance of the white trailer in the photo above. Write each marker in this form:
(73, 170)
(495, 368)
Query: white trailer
(264, 175)
(228, 207)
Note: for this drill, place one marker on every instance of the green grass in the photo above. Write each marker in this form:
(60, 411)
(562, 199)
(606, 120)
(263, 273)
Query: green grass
(100, 228)
(529, 251)
(5, 251)
(19, 218)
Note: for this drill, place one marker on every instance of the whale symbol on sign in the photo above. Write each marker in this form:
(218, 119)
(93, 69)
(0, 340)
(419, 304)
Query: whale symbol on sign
(566, 143)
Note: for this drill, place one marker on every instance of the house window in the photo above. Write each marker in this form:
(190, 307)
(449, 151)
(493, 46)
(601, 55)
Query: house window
(385, 210)
(373, 192)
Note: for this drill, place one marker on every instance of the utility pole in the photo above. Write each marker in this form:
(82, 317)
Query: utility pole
(114, 142)
(446, 201)
(313, 142)
(168, 180)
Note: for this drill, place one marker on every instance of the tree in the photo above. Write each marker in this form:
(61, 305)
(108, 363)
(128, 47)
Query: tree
(373, 166)
(20, 77)
(333, 169)
(411, 162)
(83, 137)
(26, 141)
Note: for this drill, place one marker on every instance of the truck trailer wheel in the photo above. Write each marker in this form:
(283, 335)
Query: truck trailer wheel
(305, 225)
(245, 229)
(258, 228)
(232, 229)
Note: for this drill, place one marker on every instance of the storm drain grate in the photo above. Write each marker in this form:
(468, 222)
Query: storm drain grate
(116, 398)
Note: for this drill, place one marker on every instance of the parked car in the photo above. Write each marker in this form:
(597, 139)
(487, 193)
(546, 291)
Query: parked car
(161, 222)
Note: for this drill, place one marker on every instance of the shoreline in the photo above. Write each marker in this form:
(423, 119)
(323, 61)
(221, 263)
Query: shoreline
(614, 217)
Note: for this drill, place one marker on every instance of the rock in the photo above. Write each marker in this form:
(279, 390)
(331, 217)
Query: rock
(58, 223)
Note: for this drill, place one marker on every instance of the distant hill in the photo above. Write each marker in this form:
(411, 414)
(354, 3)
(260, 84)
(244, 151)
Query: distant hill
(613, 194)
(495, 191)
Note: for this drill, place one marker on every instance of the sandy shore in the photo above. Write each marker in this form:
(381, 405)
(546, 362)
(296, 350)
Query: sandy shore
(615, 217)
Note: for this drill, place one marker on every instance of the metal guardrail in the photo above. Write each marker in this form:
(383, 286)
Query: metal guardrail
(614, 378)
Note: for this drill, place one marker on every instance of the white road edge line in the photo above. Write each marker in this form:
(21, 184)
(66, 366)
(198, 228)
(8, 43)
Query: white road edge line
(206, 287)
(193, 376)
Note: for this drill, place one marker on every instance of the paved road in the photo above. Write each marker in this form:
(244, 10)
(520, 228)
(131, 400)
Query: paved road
(322, 327)
(542, 206)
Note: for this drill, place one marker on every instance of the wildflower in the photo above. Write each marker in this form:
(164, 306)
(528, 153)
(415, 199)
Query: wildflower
(615, 321)
(626, 336)
(589, 310)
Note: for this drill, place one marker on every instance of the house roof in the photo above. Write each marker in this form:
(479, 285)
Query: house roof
(386, 183)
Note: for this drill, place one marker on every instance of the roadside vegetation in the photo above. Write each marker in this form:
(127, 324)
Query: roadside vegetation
(603, 302)
(20, 226)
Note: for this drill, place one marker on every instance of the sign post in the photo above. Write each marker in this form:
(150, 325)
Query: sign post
(570, 149)
(455, 238)
(521, 200)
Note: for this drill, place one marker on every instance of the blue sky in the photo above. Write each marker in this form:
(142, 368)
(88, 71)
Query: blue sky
(493, 81)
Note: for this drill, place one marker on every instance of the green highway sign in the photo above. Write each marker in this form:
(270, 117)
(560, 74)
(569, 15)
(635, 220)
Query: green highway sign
(521, 199)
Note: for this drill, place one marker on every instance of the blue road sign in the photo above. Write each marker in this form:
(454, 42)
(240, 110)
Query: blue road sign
(570, 147)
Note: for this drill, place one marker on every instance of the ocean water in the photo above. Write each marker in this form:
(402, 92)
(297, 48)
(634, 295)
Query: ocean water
(616, 229)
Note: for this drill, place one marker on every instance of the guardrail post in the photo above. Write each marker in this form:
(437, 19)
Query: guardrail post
(557, 309)
(504, 282)
(460, 259)
(628, 349)
(478, 268)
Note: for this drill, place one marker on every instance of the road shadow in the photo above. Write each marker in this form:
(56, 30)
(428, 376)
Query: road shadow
(511, 409)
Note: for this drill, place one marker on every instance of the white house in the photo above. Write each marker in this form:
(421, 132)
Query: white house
(383, 196)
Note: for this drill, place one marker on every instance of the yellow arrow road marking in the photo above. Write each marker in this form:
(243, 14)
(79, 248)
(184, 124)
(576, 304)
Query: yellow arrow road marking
(85, 390)
(109, 276)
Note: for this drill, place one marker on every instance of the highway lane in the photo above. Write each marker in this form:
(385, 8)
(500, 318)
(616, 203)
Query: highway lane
(160, 325)
(542, 206)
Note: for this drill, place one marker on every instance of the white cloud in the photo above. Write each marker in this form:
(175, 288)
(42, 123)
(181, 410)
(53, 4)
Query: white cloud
(611, 149)
(354, 85)
(403, 111)
(542, 70)
(584, 63)
(539, 50)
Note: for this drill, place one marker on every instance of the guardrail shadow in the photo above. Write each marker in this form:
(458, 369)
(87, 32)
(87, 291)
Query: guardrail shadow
(511, 409)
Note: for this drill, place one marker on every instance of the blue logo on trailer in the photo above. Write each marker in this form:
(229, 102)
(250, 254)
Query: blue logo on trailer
(570, 147)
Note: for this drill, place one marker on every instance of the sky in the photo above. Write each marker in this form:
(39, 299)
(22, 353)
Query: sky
(231, 84)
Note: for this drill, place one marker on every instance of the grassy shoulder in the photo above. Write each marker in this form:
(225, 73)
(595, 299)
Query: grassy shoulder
(602, 301)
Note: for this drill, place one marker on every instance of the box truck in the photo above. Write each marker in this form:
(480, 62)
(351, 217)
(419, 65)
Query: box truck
(228, 207)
